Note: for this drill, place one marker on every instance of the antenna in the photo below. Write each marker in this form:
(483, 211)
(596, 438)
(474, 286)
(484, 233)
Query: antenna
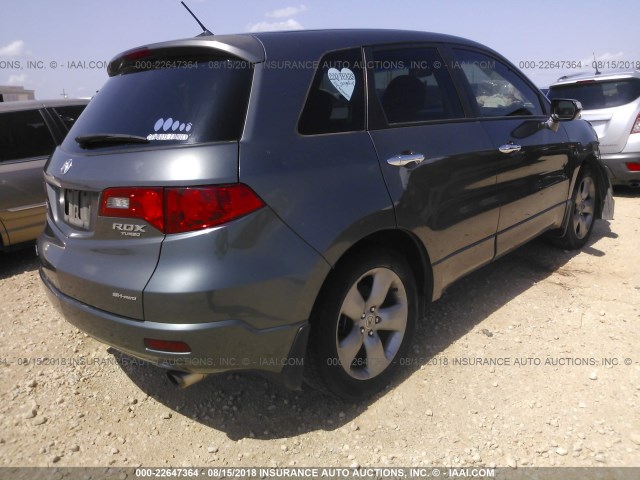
(64, 94)
(205, 31)
(595, 64)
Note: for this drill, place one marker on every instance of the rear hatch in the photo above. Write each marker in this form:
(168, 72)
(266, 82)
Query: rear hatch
(168, 119)
(610, 105)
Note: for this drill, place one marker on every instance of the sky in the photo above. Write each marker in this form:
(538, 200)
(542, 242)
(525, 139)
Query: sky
(63, 46)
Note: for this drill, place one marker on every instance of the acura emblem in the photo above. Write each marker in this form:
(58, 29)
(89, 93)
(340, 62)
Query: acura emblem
(66, 166)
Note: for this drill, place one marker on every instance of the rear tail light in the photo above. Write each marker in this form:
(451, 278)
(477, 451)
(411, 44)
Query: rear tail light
(633, 166)
(177, 210)
(189, 209)
(636, 125)
(142, 203)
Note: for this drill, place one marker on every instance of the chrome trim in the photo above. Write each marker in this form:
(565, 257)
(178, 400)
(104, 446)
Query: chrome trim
(26, 207)
(510, 148)
(404, 159)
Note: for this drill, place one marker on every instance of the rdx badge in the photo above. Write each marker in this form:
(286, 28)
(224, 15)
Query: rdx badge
(129, 229)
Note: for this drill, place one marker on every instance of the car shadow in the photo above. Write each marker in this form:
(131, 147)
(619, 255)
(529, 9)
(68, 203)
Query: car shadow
(247, 406)
(18, 261)
(472, 299)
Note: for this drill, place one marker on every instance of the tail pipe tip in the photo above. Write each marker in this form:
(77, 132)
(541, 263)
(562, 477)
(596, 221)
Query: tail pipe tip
(184, 379)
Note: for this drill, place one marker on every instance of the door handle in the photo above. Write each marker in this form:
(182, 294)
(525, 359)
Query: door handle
(405, 158)
(510, 148)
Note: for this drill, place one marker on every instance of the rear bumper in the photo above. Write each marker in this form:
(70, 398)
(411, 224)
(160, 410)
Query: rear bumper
(239, 296)
(216, 347)
(617, 168)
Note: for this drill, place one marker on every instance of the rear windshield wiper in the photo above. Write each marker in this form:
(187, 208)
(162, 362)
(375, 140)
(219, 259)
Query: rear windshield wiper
(103, 139)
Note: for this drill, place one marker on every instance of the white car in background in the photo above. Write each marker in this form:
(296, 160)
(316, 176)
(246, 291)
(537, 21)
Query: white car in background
(611, 103)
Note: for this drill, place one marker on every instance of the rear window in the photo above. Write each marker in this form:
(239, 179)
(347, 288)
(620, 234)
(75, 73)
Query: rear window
(171, 102)
(594, 95)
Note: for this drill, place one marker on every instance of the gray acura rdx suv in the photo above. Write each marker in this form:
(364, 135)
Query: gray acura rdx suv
(290, 202)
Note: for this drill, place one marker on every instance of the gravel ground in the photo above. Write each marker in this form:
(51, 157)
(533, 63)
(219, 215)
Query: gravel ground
(557, 326)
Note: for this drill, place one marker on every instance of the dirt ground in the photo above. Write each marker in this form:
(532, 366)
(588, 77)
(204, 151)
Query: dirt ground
(531, 361)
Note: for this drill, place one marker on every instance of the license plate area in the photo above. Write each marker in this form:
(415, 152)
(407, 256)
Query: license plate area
(77, 208)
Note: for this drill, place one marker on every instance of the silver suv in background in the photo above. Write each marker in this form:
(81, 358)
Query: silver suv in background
(29, 132)
(611, 103)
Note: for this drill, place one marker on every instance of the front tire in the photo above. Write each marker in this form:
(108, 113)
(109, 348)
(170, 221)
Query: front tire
(362, 324)
(584, 202)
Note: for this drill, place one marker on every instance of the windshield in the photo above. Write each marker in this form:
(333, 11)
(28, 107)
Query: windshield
(595, 95)
(173, 102)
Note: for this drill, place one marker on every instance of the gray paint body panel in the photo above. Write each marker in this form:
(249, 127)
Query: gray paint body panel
(254, 270)
(99, 266)
(152, 166)
(216, 346)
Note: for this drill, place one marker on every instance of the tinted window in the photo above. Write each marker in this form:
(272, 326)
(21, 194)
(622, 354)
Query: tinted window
(594, 95)
(413, 85)
(24, 135)
(198, 101)
(69, 114)
(498, 91)
(336, 99)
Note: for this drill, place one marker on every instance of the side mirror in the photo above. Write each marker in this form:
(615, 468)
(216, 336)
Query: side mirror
(563, 110)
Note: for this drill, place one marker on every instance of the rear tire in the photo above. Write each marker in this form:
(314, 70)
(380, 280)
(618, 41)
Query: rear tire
(582, 213)
(362, 324)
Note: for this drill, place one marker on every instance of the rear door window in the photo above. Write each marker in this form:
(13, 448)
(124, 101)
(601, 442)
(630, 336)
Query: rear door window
(171, 101)
(24, 135)
(595, 94)
(414, 85)
(335, 102)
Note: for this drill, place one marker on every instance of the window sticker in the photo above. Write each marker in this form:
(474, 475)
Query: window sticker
(344, 80)
(170, 124)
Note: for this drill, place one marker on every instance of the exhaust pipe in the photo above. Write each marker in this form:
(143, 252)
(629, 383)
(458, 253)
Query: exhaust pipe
(634, 184)
(184, 379)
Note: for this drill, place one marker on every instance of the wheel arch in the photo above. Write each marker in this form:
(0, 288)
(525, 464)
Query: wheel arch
(403, 243)
(592, 162)
(601, 177)
(331, 378)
